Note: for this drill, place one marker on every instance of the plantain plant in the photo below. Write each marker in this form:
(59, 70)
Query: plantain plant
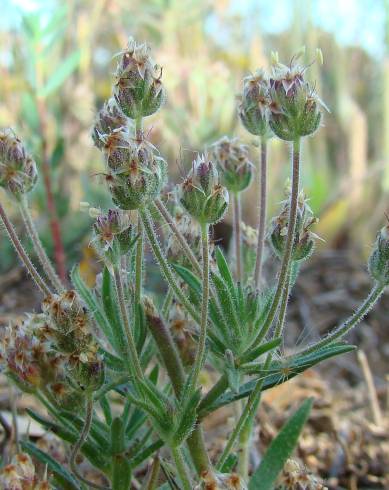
(117, 369)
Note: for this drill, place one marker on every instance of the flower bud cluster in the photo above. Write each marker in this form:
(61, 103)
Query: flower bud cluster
(18, 173)
(304, 239)
(284, 103)
(236, 170)
(20, 474)
(379, 258)
(70, 327)
(254, 104)
(112, 234)
(201, 193)
(294, 105)
(136, 172)
(51, 348)
(138, 90)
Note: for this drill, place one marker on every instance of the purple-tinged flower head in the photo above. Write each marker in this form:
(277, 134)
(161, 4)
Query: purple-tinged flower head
(304, 239)
(379, 258)
(254, 104)
(18, 173)
(109, 120)
(138, 177)
(235, 168)
(201, 194)
(138, 90)
(295, 107)
(112, 234)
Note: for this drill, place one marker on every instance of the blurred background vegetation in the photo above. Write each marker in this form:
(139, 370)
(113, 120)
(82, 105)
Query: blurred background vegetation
(56, 69)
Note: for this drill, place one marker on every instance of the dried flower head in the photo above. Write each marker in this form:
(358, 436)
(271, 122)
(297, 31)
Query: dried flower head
(112, 234)
(201, 194)
(21, 474)
(18, 172)
(138, 90)
(235, 168)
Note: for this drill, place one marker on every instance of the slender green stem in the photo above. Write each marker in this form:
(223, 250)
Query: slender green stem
(39, 250)
(138, 265)
(76, 448)
(24, 258)
(237, 235)
(248, 411)
(167, 303)
(165, 267)
(135, 363)
(164, 212)
(181, 468)
(139, 127)
(201, 346)
(262, 190)
(282, 311)
(283, 276)
(350, 323)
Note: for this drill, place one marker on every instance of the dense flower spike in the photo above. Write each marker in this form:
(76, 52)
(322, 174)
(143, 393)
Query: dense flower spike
(295, 108)
(137, 172)
(109, 120)
(254, 106)
(304, 241)
(112, 234)
(18, 172)
(138, 90)
(27, 353)
(379, 258)
(235, 168)
(201, 194)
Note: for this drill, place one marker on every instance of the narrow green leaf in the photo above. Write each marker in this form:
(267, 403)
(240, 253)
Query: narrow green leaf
(67, 481)
(261, 349)
(61, 74)
(223, 268)
(94, 307)
(280, 449)
(110, 305)
(121, 473)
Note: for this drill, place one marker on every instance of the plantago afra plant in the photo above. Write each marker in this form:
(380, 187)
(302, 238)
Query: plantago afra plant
(117, 369)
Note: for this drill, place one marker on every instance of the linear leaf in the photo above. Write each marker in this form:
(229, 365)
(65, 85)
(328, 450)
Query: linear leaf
(280, 449)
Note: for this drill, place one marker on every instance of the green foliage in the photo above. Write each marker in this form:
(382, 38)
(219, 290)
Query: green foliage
(280, 450)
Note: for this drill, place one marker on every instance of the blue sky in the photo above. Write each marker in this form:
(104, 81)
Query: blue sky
(358, 22)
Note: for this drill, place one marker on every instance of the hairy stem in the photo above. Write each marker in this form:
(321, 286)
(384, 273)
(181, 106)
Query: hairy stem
(165, 267)
(164, 212)
(152, 482)
(167, 303)
(200, 354)
(213, 394)
(350, 323)
(237, 235)
(76, 448)
(181, 468)
(24, 258)
(262, 190)
(283, 276)
(248, 411)
(135, 363)
(39, 250)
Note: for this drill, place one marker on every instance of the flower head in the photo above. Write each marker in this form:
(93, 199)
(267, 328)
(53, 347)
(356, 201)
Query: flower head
(138, 90)
(18, 172)
(379, 258)
(254, 106)
(201, 194)
(235, 168)
(295, 108)
(109, 120)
